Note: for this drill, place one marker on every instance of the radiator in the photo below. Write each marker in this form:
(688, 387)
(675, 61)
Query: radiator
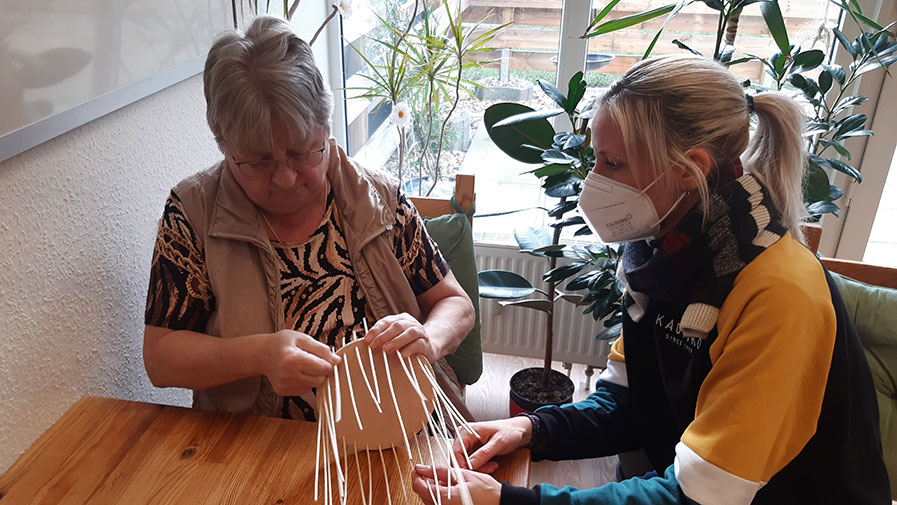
(519, 331)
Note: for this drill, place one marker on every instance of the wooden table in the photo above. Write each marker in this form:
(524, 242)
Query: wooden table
(106, 451)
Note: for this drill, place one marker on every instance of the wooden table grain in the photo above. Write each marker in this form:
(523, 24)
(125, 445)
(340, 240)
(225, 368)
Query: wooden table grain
(107, 451)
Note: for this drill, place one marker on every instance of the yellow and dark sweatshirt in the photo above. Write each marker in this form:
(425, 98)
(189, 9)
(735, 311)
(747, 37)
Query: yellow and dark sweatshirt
(774, 406)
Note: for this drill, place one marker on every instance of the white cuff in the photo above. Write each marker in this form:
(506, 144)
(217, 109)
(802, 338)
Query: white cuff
(615, 373)
(709, 484)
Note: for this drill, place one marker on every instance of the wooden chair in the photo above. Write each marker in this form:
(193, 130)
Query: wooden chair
(435, 207)
(876, 275)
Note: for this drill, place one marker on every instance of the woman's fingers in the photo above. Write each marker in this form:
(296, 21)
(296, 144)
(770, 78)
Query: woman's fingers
(392, 327)
(299, 361)
(427, 472)
(381, 331)
(488, 467)
(406, 338)
(484, 454)
(464, 443)
(317, 349)
(483, 489)
(422, 487)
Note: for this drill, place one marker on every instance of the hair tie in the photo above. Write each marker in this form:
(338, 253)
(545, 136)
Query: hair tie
(750, 102)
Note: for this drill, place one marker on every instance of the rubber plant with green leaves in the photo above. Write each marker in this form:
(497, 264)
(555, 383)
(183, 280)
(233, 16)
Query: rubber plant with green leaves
(566, 158)
(832, 120)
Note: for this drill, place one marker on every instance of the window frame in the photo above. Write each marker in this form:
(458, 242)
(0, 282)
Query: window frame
(846, 237)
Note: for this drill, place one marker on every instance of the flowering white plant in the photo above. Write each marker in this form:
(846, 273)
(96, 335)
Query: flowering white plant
(401, 115)
(344, 7)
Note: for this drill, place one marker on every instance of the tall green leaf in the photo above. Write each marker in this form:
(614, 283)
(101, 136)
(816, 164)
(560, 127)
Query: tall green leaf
(875, 65)
(846, 169)
(527, 117)
(576, 89)
(627, 21)
(563, 185)
(845, 42)
(532, 238)
(850, 123)
(534, 303)
(772, 14)
(676, 9)
(837, 146)
(817, 185)
(678, 43)
(510, 139)
(553, 92)
(503, 285)
(604, 12)
(819, 208)
(805, 61)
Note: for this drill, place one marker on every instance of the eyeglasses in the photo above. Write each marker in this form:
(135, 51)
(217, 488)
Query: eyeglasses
(266, 167)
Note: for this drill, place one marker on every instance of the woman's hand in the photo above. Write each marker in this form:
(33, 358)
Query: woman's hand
(297, 363)
(483, 489)
(403, 333)
(503, 436)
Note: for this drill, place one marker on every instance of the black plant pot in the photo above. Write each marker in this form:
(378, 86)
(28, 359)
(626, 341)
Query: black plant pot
(527, 394)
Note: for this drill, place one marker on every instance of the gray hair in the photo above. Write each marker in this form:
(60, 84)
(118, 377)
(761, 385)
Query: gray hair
(669, 105)
(260, 80)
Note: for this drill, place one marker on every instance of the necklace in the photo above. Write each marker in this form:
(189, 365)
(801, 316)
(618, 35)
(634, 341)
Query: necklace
(270, 227)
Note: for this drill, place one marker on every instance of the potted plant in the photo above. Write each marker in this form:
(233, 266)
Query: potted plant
(831, 120)
(565, 158)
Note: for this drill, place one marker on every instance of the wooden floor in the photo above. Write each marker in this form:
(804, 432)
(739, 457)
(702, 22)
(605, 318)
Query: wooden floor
(488, 399)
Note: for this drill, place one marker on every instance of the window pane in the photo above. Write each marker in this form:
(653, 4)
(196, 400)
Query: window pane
(518, 56)
(882, 246)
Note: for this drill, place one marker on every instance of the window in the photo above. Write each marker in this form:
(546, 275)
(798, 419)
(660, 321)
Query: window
(520, 54)
(525, 51)
(882, 246)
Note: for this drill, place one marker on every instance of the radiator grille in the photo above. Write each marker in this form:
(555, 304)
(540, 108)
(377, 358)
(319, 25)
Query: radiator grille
(520, 332)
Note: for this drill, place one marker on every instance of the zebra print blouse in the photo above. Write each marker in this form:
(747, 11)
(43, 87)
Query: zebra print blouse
(318, 290)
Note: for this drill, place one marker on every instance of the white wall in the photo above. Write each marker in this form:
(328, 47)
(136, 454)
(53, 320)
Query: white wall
(78, 218)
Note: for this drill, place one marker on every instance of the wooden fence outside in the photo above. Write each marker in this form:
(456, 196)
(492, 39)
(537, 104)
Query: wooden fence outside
(533, 35)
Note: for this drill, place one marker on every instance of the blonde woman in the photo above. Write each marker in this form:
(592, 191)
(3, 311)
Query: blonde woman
(271, 259)
(738, 373)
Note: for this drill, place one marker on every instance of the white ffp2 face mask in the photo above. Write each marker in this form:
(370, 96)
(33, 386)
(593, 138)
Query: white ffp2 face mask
(620, 213)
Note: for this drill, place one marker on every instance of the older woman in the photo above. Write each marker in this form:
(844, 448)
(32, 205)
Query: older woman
(269, 260)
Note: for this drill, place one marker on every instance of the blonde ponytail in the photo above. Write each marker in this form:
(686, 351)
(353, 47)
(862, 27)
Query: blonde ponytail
(776, 156)
(668, 105)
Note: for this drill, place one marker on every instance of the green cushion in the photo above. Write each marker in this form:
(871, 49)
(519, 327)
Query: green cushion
(453, 236)
(873, 310)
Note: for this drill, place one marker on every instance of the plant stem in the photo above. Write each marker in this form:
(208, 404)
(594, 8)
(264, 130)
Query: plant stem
(549, 321)
(321, 28)
(404, 34)
(445, 123)
(732, 27)
(425, 148)
(719, 33)
(292, 9)
(401, 152)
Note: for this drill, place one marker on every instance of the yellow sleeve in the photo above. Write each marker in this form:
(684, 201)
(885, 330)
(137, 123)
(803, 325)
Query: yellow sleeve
(759, 405)
(616, 350)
